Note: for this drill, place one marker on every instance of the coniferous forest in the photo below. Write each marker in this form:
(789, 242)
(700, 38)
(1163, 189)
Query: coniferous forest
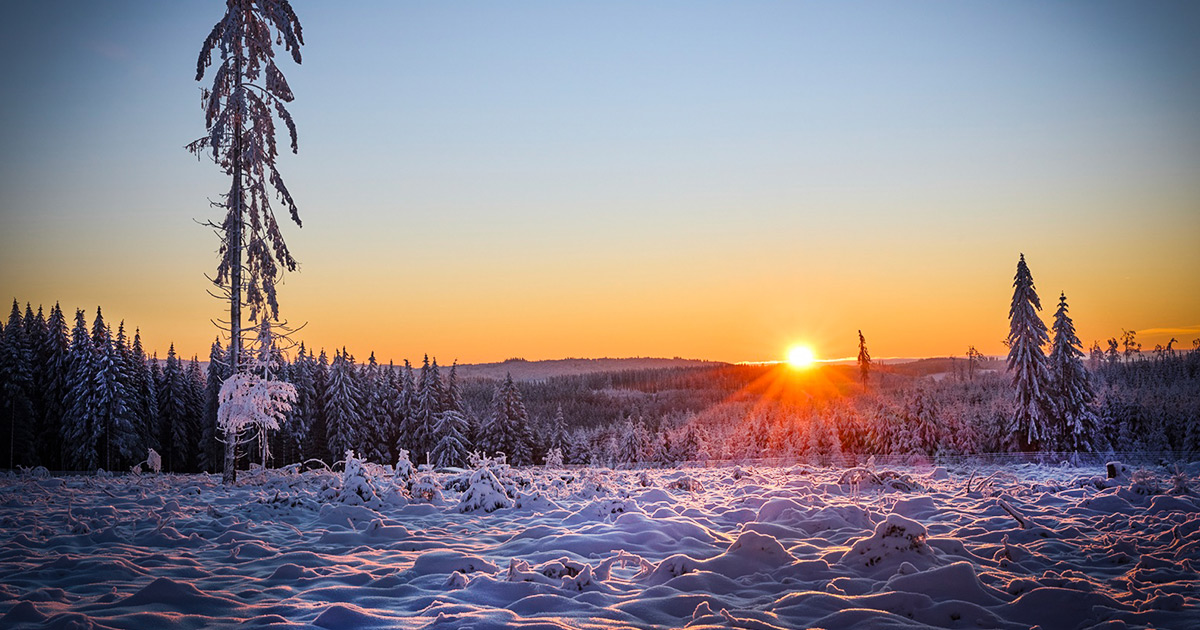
(78, 394)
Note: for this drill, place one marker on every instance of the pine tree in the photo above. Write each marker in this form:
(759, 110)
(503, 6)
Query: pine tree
(79, 452)
(430, 399)
(342, 413)
(194, 403)
(1072, 387)
(146, 397)
(393, 408)
(173, 414)
(508, 430)
(37, 337)
(407, 439)
(210, 451)
(112, 430)
(56, 366)
(16, 383)
(864, 359)
(558, 431)
(302, 414)
(319, 430)
(371, 441)
(1031, 378)
(451, 447)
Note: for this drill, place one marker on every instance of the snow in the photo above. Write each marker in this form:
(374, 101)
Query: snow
(1055, 547)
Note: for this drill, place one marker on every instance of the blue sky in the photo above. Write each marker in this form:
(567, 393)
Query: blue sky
(707, 179)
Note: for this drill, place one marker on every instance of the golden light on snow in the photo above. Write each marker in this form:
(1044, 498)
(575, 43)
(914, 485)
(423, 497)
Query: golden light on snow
(801, 357)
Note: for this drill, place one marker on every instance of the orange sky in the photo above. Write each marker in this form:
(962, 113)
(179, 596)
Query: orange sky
(627, 179)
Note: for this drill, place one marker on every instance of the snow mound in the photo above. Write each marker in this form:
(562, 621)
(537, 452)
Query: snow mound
(897, 539)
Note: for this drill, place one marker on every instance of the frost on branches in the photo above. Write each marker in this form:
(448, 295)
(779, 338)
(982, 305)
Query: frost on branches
(248, 401)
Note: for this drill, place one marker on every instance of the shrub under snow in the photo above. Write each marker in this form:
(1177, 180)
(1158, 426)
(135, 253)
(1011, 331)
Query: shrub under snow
(484, 492)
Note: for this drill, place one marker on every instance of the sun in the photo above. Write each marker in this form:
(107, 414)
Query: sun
(801, 357)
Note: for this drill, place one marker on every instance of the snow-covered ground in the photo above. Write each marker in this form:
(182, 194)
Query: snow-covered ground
(726, 547)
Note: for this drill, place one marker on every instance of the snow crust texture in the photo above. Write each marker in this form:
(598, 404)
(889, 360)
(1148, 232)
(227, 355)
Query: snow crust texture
(1053, 547)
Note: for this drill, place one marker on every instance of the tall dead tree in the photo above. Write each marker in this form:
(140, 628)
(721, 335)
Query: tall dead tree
(248, 91)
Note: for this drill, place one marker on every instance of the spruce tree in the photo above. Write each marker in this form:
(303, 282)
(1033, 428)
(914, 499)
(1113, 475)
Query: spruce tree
(429, 410)
(146, 397)
(57, 364)
(113, 426)
(301, 415)
(37, 337)
(1072, 387)
(173, 414)
(393, 406)
(864, 360)
(508, 431)
(451, 446)
(408, 411)
(79, 452)
(319, 431)
(210, 451)
(16, 384)
(1031, 378)
(194, 401)
(373, 443)
(342, 413)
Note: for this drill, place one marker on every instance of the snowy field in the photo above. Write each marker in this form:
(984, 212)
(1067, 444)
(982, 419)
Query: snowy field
(791, 547)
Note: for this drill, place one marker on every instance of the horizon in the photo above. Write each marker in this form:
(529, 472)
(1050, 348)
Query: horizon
(535, 180)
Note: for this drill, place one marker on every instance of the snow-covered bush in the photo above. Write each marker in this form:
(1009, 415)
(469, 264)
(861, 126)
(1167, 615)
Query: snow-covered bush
(404, 466)
(484, 492)
(357, 486)
(153, 460)
(687, 483)
(554, 459)
(426, 489)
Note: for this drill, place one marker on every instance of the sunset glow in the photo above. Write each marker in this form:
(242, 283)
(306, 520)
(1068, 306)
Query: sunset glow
(801, 357)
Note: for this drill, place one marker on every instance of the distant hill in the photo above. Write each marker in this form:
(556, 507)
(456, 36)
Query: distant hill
(523, 370)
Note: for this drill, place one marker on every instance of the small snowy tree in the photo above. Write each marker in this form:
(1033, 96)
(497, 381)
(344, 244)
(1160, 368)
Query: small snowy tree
(1031, 378)
(249, 402)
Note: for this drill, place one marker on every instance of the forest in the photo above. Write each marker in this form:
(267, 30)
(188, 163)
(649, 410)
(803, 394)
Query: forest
(83, 397)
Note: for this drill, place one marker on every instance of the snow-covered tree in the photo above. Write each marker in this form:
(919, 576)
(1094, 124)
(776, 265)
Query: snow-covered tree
(507, 430)
(1031, 378)
(210, 451)
(37, 339)
(1072, 386)
(174, 432)
(113, 429)
(56, 362)
(78, 450)
(247, 92)
(374, 446)
(451, 447)
(406, 414)
(342, 414)
(303, 412)
(249, 402)
(144, 391)
(16, 385)
(429, 409)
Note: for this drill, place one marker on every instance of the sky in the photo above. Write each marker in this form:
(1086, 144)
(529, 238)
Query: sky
(716, 180)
